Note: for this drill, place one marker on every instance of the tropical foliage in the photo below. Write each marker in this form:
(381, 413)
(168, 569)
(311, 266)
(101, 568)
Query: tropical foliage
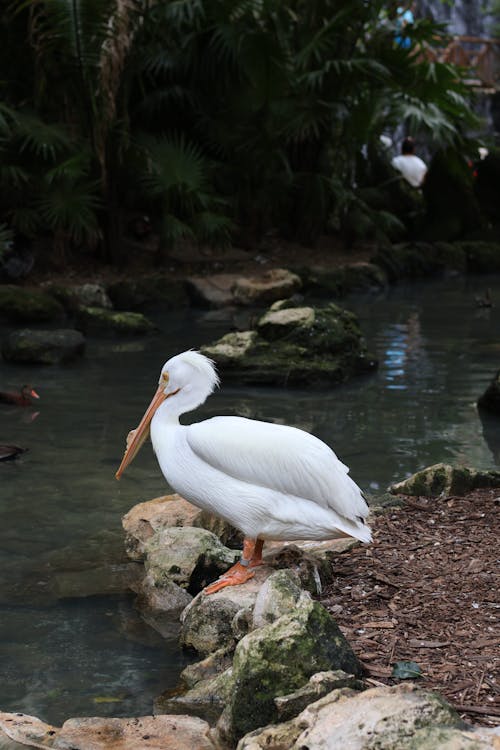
(215, 117)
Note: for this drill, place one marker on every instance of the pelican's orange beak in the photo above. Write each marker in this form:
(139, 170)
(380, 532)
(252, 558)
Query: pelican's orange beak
(138, 437)
(34, 394)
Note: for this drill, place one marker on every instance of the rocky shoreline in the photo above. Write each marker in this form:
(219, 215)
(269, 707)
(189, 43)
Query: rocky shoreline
(276, 671)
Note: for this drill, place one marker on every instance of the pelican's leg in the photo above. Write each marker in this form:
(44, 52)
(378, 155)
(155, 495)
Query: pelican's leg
(240, 572)
(256, 558)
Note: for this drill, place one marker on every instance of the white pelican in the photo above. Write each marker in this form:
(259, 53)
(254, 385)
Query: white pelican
(270, 481)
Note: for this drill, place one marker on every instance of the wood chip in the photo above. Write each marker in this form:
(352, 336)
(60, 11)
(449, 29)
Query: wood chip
(430, 578)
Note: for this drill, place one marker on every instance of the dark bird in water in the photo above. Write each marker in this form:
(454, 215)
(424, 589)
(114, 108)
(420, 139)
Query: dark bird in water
(20, 398)
(8, 452)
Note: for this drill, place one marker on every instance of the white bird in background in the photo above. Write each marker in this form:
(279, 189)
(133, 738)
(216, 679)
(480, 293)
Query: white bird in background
(270, 481)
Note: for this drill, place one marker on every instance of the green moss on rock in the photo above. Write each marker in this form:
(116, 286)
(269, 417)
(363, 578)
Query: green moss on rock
(18, 304)
(443, 479)
(279, 658)
(327, 348)
(99, 320)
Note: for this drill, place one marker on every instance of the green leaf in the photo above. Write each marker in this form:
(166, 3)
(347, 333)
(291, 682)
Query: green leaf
(406, 670)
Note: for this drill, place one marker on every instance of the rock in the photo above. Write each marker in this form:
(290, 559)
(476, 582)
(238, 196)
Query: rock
(312, 561)
(205, 700)
(338, 282)
(43, 347)
(144, 519)
(278, 659)
(219, 620)
(319, 685)
(212, 291)
(22, 305)
(229, 350)
(187, 556)
(225, 289)
(278, 322)
(420, 259)
(443, 479)
(81, 295)
(227, 534)
(490, 400)
(161, 606)
(264, 288)
(320, 345)
(157, 291)
(387, 718)
(142, 733)
(215, 663)
(98, 320)
(277, 596)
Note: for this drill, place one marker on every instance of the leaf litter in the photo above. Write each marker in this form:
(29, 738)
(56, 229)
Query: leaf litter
(427, 591)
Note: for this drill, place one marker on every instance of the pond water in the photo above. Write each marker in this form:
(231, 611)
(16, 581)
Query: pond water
(65, 652)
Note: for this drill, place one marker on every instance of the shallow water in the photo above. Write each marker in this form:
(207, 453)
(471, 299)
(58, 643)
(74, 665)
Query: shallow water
(60, 506)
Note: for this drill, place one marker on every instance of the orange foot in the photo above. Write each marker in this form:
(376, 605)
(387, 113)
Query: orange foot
(237, 574)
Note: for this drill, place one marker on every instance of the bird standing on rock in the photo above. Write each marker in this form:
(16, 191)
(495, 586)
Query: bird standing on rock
(270, 481)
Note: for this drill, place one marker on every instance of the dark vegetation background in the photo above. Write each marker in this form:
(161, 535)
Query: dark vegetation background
(221, 122)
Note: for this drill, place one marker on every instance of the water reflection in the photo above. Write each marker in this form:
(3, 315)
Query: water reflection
(60, 507)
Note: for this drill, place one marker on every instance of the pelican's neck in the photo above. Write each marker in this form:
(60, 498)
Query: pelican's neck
(184, 401)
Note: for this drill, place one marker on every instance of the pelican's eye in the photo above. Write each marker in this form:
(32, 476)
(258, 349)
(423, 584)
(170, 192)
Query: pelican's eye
(164, 378)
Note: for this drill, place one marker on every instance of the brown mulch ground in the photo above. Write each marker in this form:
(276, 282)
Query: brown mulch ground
(427, 591)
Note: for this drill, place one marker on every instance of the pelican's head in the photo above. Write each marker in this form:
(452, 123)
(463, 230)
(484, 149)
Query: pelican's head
(188, 378)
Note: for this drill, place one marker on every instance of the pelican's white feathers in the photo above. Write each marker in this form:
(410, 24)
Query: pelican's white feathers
(279, 458)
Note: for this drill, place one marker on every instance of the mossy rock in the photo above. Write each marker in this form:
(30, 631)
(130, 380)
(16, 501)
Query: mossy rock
(443, 479)
(482, 257)
(156, 291)
(412, 260)
(100, 321)
(325, 347)
(43, 347)
(22, 305)
(278, 659)
(205, 700)
(189, 557)
(76, 296)
(353, 277)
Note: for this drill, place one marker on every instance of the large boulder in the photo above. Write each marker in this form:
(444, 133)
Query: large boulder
(279, 658)
(142, 733)
(146, 518)
(157, 291)
(295, 346)
(218, 621)
(224, 289)
(490, 400)
(338, 282)
(420, 259)
(387, 718)
(43, 347)
(186, 556)
(22, 305)
(443, 479)
(98, 320)
(74, 296)
(212, 291)
(267, 287)
(206, 699)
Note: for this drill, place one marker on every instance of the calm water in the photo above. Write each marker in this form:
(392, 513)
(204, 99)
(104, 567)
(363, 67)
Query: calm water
(67, 651)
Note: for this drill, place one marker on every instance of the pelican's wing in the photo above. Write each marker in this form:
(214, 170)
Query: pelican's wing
(281, 458)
